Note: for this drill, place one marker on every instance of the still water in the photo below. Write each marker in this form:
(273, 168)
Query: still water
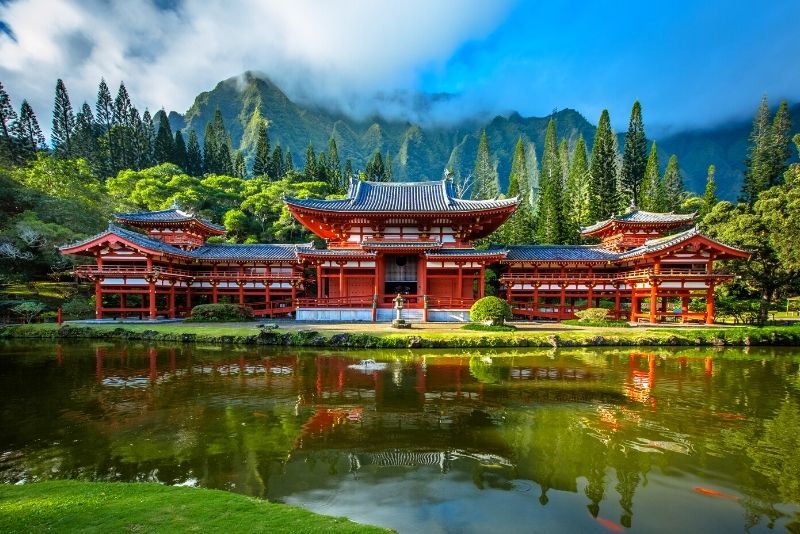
(474, 441)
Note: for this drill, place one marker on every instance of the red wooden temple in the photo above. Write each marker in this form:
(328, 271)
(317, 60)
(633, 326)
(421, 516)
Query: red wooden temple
(410, 238)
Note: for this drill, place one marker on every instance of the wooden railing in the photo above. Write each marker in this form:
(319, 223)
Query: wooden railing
(627, 275)
(170, 272)
(450, 302)
(336, 302)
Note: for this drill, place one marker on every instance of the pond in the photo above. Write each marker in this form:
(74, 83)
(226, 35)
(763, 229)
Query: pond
(474, 441)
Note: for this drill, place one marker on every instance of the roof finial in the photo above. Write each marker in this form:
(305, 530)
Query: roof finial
(447, 174)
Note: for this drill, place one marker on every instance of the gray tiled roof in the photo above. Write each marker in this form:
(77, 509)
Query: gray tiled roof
(560, 253)
(460, 252)
(643, 217)
(414, 197)
(341, 252)
(166, 216)
(397, 243)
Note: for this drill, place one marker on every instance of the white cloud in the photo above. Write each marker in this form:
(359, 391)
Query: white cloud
(333, 52)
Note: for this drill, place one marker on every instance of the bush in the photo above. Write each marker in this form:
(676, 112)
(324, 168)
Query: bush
(28, 310)
(489, 328)
(78, 308)
(592, 315)
(490, 310)
(601, 324)
(221, 313)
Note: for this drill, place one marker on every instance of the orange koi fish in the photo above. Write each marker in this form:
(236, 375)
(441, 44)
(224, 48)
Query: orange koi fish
(714, 493)
(610, 525)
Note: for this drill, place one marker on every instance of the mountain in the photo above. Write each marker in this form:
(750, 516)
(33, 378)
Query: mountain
(421, 152)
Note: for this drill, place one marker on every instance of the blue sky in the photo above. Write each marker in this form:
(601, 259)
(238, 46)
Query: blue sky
(691, 64)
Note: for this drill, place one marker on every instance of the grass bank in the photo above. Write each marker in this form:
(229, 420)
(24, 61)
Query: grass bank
(374, 336)
(71, 506)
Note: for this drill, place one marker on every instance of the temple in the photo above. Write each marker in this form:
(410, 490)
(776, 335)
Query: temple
(415, 239)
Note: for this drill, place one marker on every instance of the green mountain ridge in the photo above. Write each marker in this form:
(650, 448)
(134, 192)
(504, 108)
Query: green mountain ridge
(422, 152)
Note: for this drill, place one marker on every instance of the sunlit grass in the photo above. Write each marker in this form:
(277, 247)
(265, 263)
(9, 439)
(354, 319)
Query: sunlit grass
(70, 506)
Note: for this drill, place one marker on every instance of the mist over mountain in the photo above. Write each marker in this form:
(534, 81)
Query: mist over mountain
(424, 144)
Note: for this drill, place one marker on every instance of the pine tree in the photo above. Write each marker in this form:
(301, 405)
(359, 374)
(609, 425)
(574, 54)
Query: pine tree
(578, 187)
(239, 165)
(779, 151)
(674, 192)
(223, 158)
(348, 173)
(180, 150)
(603, 170)
(147, 135)
(650, 199)
(194, 159)
(121, 134)
(139, 155)
(549, 215)
(164, 149)
(104, 113)
(634, 157)
(388, 172)
(532, 166)
(375, 169)
(27, 132)
(288, 163)
(8, 118)
(277, 167)
(487, 183)
(310, 169)
(261, 161)
(518, 229)
(210, 151)
(63, 123)
(334, 165)
(323, 172)
(757, 163)
(563, 158)
(710, 195)
(85, 137)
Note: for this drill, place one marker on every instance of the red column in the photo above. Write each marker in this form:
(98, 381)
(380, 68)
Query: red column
(536, 297)
(634, 304)
(684, 308)
(172, 299)
(294, 294)
(189, 298)
(710, 304)
(152, 298)
(460, 284)
(617, 305)
(319, 281)
(98, 298)
(240, 283)
(214, 284)
(482, 282)
(563, 304)
(590, 297)
(653, 300)
(341, 281)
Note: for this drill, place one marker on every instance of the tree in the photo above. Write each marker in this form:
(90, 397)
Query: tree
(261, 162)
(577, 194)
(104, 112)
(63, 123)
(121, 136)
(768, 151)
(603, 170)
(634, 156)
(28, 310)
(310, 169)
(164, 149)
(486, 184)
(180, 150)
(673, 190)
(240, 166)
(147, 139)
(388, 172)
(779, 207)
(8, 117)
(27, 132)
(518, 229)
(334, 165)
(710, 195)
(194, 159)
(85, 137)
(348, 172)
(277, 168)
(549, 216)
(375, 169)
(288, 163)
(651, 190)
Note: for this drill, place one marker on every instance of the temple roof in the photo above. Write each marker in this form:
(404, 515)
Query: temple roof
(209, 252)
(560, 253)
(467, 252)
(171, 215)
(413, 197)
(417, 244)
(661, 243)
(642, 217)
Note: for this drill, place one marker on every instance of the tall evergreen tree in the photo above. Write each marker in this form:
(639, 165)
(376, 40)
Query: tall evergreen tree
(164, 149)
(710, 195)
(194, 158)
(239, 165)
(532, 166)
(375, 169)
(63, 123)
(147, 136)
(486, 182)
(104, 113)
(323, 172)
(261, 162)
(210, 150)
(578, 198)
(549, 215)
(288, 163)
(757, 163)
(388, 171)
(779, 151)
(603, 170)
(348, 172)
(634, 157)
(180, 151)
(518, 229)
(139, 154)
(27, 132)
(334, 165)
(85, 138)
(277, 167)
(674, 192)
(650, 199)
(563, 158)
(121, 135)
(8, 118)
(310, 169)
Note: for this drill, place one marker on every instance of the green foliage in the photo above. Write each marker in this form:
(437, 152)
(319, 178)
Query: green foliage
(518, 229)
(592, 314)
(480, 327)
(221, 313)
(63, 131)
(672, 186)
(779, 206)
(768, 151)
(550, 227)
(486, 184)
(603, 170)
(652, 192)
(491, 310)
(578, 191)
(28, 310)
(78, 307)
(634, 156)
(597, 324)
(710, 195)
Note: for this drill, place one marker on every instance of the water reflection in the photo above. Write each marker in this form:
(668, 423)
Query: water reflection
(604, 440)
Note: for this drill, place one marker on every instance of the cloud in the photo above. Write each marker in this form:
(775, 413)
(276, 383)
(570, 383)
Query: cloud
(334, 53)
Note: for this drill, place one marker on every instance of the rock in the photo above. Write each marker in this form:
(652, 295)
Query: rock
(554, 341)
(414, 342)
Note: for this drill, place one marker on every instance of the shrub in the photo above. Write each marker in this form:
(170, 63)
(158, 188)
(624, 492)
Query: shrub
(601, 324)
(592, 315)
(489, 328)
(28, 310)
(490, 310)
(221, 313)
(78, 308)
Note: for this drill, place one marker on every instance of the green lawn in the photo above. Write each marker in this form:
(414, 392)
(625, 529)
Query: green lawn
(70, 506)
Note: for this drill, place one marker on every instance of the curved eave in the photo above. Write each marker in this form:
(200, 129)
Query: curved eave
(604, 261)
(511, 204)
(109, 237)
(210, 228)
(722, 251)
(610, 223)
(496, 256)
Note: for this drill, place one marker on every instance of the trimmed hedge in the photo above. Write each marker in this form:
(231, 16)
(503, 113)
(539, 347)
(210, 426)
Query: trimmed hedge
(208, 313)
(490, 310)
(606, 324)
(592, 315)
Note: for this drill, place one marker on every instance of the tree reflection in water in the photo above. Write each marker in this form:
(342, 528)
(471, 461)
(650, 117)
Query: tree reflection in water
(588, 427)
